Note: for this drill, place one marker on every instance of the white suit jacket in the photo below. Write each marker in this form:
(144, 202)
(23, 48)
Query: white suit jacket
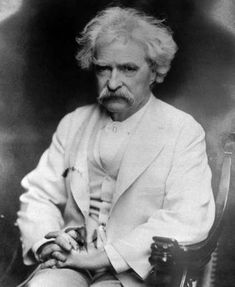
(163, 187)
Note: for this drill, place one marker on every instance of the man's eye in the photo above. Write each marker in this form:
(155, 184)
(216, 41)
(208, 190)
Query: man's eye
(129, 70)
(102, 69)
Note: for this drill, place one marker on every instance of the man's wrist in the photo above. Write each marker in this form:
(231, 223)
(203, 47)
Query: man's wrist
(38, 246)
(94, 260)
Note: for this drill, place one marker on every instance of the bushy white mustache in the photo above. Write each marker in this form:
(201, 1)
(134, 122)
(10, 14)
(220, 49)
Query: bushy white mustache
(122, 93)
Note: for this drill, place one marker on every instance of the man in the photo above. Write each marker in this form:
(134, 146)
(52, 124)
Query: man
(120, 172)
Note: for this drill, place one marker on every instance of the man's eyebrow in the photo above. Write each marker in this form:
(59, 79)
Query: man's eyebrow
(99, 63)
(131, 64)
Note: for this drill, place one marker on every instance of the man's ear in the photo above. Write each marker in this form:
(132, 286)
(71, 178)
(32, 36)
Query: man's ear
(153, 76)
(153, 73)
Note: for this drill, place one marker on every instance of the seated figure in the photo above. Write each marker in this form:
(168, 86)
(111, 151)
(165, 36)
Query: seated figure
(117, 172)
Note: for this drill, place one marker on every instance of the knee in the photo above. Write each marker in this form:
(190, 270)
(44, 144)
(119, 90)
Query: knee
(58, 277)
(39, 281)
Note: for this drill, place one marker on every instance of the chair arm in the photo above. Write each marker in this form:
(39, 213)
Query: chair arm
(168, 251)
(178, 265)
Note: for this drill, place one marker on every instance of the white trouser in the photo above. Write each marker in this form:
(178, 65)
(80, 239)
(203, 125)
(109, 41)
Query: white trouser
(68, 278)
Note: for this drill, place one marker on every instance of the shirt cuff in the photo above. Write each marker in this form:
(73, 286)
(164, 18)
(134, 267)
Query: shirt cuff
(118, 263)
(38, 244)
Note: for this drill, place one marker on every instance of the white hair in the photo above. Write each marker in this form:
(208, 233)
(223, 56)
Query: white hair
(128, 22)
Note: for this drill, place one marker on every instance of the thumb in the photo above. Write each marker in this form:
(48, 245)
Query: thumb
(52, 234)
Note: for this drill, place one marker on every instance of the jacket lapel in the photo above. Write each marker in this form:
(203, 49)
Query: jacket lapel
(79, 184)
(144, 146)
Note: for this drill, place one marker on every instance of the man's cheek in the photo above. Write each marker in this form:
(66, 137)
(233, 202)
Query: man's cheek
(102, 81)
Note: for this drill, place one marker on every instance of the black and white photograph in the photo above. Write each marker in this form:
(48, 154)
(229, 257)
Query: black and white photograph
(117, 143)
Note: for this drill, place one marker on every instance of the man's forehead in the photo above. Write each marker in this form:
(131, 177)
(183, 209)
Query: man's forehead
(120, 52)
(120, 63)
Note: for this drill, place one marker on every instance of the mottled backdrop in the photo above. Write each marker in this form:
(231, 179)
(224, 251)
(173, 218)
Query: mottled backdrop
(40, 82)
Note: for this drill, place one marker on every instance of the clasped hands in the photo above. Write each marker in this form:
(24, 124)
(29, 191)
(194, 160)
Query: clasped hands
(68, 249)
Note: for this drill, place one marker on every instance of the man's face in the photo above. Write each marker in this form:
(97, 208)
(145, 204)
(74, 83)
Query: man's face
(123, 77)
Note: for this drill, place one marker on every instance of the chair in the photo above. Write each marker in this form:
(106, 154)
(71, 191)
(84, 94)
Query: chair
(177, 265)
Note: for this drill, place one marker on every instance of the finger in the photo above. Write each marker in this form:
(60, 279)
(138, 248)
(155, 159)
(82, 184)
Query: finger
(78, 238)
(63, 241)
(154, 246)
(79, 232)
(51, 263)
(48, 250)
(74, 244)
(60, 264)
(52, 234)
(73, 239)
(73, 234)
(66, 242)
(79, 235)
(59, 256)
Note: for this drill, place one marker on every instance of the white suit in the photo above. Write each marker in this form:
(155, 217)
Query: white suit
(163, 187)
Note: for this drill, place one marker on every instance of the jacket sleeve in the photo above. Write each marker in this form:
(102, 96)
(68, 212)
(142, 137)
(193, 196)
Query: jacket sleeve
(188, 210)
(45, 196)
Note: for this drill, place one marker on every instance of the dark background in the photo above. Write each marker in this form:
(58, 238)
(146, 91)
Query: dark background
(40, 82)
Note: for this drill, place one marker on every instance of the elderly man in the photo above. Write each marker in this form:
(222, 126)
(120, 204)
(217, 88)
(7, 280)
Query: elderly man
(118, 172)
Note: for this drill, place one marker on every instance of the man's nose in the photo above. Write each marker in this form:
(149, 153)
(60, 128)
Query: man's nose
(114, 82)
